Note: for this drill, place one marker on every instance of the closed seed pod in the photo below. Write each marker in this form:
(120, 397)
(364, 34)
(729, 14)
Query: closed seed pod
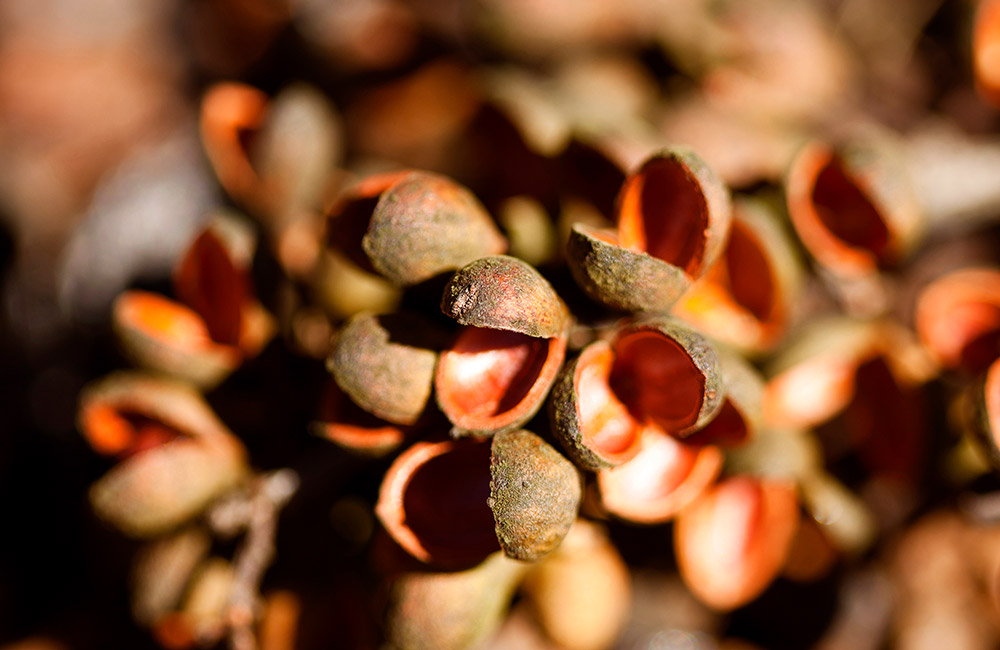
(667, 374)
(496, 374)
(440, 224)
(433, 502)
(986, 51)
(451, 611)
(666, 476)
(745, 300)
(349, 426)
(581, 594)
(592, 424)
(379, 362)
(534, 494)
(958, 318)
(852, 206)
(733, 541)
(177, 456)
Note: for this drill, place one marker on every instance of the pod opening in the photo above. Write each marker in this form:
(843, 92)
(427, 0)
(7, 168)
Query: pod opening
(164, 320)
(605, 422)
(124, 432)
(749, 275)
(847, 212)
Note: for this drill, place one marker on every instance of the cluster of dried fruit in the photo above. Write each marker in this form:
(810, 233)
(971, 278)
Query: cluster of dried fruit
(627, 343)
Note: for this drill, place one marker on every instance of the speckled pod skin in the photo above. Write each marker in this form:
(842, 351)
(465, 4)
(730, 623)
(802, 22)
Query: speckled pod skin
(619, 277)
(702, 357)
(534, 494)
(566, 416)
(503, 292)
(388, 379)
(425, 224)
(451, 611)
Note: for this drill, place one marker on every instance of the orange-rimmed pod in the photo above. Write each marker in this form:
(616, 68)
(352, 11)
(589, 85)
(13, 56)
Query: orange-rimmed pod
(958, 318)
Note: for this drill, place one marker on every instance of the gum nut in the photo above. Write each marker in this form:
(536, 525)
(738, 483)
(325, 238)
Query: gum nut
(347, 425)
(958, 318)
(620, 277)
(151, 492)
(581, 594)
(534, 494)
(676, 209)
(502, 292)
(731, 543)
(741, 414)
(379, 363)
(666, 373)
(665, 476)
(852, 207)
(165, 336)
(589, 421)
(451, 611)
(426, 224)
(433, 502)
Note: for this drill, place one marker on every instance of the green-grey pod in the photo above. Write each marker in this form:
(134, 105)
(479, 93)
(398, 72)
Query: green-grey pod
(451, 611)
(386, 376)
(497, 373)
(534, 494)
(425, 224)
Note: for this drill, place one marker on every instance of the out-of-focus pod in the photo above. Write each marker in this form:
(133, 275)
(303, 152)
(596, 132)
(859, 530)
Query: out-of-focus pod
(673, 217)
(958, 318)
(747, 296)
(732, 542)
(348, 425)
(201, 619)
(499, 369)
(443, 224)
(274, 157)
(452, 503)
(852, 206)
(581, 594)
(986, 51)
(161, 572)
(386, 365)
(741, 414)
(451, 611)
(982, 412)
(176, 456)
(216, 321)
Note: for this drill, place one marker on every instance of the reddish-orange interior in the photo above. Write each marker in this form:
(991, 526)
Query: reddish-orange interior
(347, 423)
(847, 212)
(727, 428)
(488, 372)
(606, 425)
(977, 325)
(658, 381)
(664, 213)
(165, 319)
(748, 274)
(659, 469)
(208, 282)
(445, 501)
(122, 432)
(991, 390)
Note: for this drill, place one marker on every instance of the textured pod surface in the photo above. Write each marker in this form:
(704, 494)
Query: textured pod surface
(534, 494)
(733, 542)
(619, 277)
(958, 318)
(592, 424)
(426, 224)
(666, 373)
(382, 369)
(741, 414)
(852, 207)
(433, 502)
(503, 292)
(676, 209)
(665, 476)
(451, 611)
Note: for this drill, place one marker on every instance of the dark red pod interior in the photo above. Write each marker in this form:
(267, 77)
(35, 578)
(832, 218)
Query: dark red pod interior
(347, 424)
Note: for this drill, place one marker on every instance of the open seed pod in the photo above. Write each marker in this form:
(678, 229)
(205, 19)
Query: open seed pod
(217, 321)
(673, 218)
(581, 594)
(745, 299)
(958, 318)
(451, 611)
(666, 374)
(385, 365)
(666, 476)
(228, 111)
(176, 455)
(348, 425)
(852, 206)
(982, 416)
(496, 374)
(534, 494)
(443, 224)
(733, 541)
(741, 415)
(986, 51)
